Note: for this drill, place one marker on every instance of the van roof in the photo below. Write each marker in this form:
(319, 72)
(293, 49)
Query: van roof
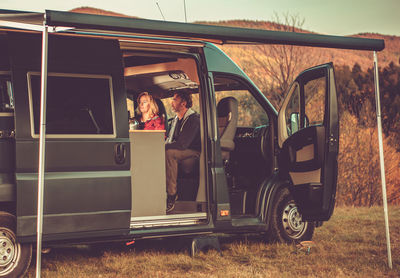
(78, 23)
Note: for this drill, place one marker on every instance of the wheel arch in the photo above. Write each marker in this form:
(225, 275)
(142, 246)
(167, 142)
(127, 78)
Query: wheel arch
(268, 198)
(283, 222)
(9, 207)
(8, 197)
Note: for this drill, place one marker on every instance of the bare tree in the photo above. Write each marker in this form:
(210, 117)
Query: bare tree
(281, 63)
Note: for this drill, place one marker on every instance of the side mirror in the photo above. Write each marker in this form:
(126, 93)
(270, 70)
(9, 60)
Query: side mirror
(306, 121)
(295, 122)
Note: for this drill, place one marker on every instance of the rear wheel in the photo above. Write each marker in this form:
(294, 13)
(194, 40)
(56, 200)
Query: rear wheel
(286, 223)
(15, 258)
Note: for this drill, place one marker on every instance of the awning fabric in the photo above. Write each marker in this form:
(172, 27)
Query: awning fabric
(79, 22)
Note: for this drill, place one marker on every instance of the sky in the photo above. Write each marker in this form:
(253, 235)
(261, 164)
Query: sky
(338, 17)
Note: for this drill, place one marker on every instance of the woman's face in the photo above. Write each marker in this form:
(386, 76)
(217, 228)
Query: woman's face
(144, 104)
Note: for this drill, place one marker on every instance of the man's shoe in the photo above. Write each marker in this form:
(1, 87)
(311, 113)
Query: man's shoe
(171, 202)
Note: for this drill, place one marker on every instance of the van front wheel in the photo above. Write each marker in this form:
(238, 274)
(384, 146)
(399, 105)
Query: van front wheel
(286, 222)
(15, 258)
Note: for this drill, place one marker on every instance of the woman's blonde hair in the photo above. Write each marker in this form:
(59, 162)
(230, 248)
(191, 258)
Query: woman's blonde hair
(153, 104)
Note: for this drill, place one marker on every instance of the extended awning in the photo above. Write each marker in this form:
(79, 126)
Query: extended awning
(224, 34)
(78, 22)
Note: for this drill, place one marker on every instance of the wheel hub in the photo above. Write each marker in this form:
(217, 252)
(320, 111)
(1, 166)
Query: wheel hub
(9, 251)
(292, 221)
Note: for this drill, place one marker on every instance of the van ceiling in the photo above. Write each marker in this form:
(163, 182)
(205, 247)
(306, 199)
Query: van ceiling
(160, 74)
(132, 61)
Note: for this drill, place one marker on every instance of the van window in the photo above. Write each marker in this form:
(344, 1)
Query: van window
(251, 113)
(77, 104)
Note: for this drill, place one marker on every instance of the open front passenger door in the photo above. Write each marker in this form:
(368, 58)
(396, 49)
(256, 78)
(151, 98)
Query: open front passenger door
(308, 135)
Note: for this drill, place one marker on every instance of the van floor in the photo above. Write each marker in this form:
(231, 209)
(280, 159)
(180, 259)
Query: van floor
(182, 207)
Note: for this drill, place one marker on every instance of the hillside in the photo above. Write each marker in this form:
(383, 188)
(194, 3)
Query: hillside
(90, 10)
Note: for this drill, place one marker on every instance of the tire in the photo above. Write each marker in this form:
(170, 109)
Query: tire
(286, 225)
(15, 258)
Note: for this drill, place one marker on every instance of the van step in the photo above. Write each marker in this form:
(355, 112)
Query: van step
(168, 220)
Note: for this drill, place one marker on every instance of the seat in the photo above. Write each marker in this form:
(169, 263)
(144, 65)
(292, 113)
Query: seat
(227, 111)
(188, 179)
(188, 172)
(162, 113)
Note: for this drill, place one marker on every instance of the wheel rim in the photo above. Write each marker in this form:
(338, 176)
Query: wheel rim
(10, 251)
(292, 221)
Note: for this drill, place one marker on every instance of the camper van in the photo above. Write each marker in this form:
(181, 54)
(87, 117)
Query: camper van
(69, 85)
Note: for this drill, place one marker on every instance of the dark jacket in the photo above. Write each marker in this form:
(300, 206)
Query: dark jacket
(186, 133)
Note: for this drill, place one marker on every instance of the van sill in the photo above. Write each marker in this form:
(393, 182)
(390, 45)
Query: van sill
(168, 220)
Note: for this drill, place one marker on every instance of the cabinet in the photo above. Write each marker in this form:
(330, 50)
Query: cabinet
(148, 172)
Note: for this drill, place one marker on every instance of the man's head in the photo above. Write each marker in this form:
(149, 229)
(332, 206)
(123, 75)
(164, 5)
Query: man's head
(181, 102)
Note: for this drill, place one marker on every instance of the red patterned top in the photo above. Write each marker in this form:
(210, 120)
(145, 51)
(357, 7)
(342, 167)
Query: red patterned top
(155, 123)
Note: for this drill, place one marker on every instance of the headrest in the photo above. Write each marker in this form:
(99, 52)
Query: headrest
(226, 106)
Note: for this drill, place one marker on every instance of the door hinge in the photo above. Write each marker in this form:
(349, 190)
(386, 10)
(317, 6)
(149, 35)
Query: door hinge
(333, 143)
(332, 140)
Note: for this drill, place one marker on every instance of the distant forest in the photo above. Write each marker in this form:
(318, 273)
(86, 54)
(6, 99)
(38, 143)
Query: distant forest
(359, 172)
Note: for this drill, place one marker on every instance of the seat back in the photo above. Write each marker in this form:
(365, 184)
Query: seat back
(227, 111)
(162, 113)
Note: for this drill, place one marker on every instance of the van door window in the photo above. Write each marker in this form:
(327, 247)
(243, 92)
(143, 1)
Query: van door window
(314, 93)
(314, 97)
(76, 104)
(250, 112)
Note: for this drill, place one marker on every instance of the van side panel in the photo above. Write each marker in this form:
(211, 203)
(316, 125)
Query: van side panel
(218, 61)
(85, 189)
(7, 169)
(7, 143)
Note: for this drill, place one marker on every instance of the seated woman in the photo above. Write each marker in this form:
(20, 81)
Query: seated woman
(147, 115)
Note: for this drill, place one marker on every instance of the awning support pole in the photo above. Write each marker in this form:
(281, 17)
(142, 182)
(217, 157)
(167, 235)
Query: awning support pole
(42, 149)
(381, 158)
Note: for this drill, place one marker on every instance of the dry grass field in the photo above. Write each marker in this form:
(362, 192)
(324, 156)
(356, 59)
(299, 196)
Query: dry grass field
(351, 244)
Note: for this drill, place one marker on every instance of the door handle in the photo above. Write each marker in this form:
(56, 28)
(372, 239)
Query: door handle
(120, 153)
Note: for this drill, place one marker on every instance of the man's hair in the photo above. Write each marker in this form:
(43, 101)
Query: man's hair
(185, 96)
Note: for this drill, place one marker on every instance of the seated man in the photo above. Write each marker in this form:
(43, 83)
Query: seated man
(183, 141)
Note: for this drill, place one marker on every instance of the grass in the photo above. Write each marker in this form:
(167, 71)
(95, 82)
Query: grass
(351, 244)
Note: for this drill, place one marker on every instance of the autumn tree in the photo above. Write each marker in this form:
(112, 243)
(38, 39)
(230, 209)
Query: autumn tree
(355, 87)
(359, 180)
(280, 64)
(390, 84)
